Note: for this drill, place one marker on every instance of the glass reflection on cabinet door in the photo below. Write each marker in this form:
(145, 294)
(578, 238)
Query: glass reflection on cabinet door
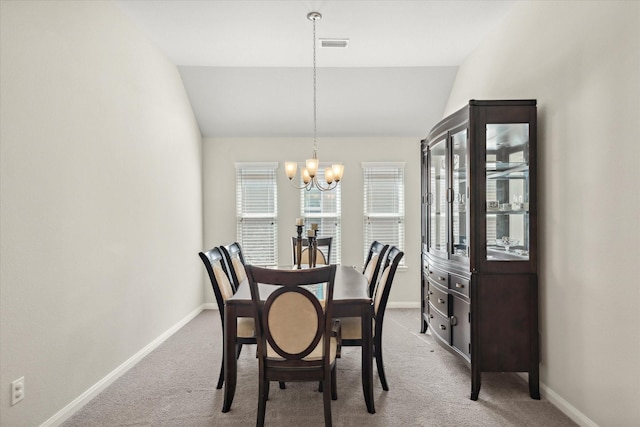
(507, 191)
(459, 186)
(438, 197)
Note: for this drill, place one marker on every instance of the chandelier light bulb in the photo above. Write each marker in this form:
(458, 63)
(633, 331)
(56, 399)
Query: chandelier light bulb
(312, 166)
(305, 176)
(338, 170)
(328, 175)
(290, 168)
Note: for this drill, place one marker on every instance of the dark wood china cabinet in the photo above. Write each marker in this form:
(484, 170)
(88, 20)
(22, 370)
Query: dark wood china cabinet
(479, 238)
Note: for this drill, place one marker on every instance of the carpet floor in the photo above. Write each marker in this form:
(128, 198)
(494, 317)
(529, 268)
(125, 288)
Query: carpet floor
(175, 386)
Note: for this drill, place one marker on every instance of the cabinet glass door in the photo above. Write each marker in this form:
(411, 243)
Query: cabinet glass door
(459, 185)
(437, 198)
(507, 192)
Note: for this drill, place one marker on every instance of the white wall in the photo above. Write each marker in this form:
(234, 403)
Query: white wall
(101, 212)
(219, 155)
(581, 60)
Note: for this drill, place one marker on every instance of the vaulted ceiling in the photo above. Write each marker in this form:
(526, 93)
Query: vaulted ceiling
(247, 65)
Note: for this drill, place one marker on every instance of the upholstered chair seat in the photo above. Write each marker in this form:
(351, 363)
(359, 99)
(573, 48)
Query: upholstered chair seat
(316, 353)
(351, 328)
(246, 327)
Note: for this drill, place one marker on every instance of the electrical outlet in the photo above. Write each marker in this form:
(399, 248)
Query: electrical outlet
(17, 390)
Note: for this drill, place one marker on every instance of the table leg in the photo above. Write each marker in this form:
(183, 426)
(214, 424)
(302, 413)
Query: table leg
(367, 357)
(230, 361)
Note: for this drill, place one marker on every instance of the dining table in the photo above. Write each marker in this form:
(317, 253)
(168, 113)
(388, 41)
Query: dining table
(350, 299)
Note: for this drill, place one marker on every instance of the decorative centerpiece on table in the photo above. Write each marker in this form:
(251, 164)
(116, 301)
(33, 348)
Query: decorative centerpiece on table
(312, 242)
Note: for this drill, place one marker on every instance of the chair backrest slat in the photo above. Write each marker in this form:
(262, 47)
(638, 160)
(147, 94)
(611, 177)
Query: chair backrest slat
(234, 260)
(375, 260)
(213, 260)
(381, 293)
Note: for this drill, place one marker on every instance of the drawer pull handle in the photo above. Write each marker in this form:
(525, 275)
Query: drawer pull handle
(459, 285)
(431, 316)
(444, 328)
(442, 278)
(430, 292)
(430, 271)
(441, 301)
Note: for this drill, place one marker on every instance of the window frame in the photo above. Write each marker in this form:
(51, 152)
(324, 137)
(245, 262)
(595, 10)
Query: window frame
(268, 247)
(397, 198)
(336, 217)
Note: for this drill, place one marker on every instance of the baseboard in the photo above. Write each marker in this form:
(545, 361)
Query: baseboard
(565, 407)
(66, 412)
(210, 306)
(403, 304)
(400, 304)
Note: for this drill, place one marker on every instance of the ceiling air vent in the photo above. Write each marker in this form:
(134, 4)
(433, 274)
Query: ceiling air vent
(341, 43)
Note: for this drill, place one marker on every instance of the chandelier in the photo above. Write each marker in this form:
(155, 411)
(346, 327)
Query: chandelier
(309, 173)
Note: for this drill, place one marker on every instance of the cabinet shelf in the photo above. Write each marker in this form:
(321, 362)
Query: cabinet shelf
(511, 212)
(500, 254)
(507, 170)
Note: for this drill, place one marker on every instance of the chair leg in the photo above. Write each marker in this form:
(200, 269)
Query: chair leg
(221, 377)
(282, 385)
(238, 349)
(327, 401)
(334, 384)
(263, 390)
(379, 363)
(320, 387)
(267, 390)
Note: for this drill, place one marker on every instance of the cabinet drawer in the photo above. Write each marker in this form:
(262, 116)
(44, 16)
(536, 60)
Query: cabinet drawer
(440, 325)
(438, 276)
(459, 284)
(439, 299)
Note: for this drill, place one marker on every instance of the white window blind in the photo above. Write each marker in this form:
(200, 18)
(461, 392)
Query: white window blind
(383, 204)
(257, 212)
(325, 209)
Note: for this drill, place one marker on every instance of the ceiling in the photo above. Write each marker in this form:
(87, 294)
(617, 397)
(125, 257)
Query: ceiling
(247, 65)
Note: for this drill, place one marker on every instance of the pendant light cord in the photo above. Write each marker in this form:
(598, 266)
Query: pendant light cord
(314, 91)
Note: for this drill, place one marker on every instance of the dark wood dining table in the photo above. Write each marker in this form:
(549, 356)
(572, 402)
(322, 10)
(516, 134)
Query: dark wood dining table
(350, 299)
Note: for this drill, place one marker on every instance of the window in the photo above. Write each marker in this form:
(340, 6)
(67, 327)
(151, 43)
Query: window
(257, 212)
(384, 204)
(324, 208)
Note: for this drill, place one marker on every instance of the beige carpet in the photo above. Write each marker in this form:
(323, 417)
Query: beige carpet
(175, 386)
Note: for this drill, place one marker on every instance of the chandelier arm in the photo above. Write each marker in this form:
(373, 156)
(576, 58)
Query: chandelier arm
(327, 188)
(304, 187)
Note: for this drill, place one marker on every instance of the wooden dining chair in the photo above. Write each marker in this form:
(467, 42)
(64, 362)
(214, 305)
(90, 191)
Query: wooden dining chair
(351, 327)
(375, 260)
(223, 289)
(235, 263)
(323, 253)
(297, 338)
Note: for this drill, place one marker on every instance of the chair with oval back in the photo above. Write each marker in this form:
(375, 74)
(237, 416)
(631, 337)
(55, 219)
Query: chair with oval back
(351, 327)
(297, 338)
(224, 289)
